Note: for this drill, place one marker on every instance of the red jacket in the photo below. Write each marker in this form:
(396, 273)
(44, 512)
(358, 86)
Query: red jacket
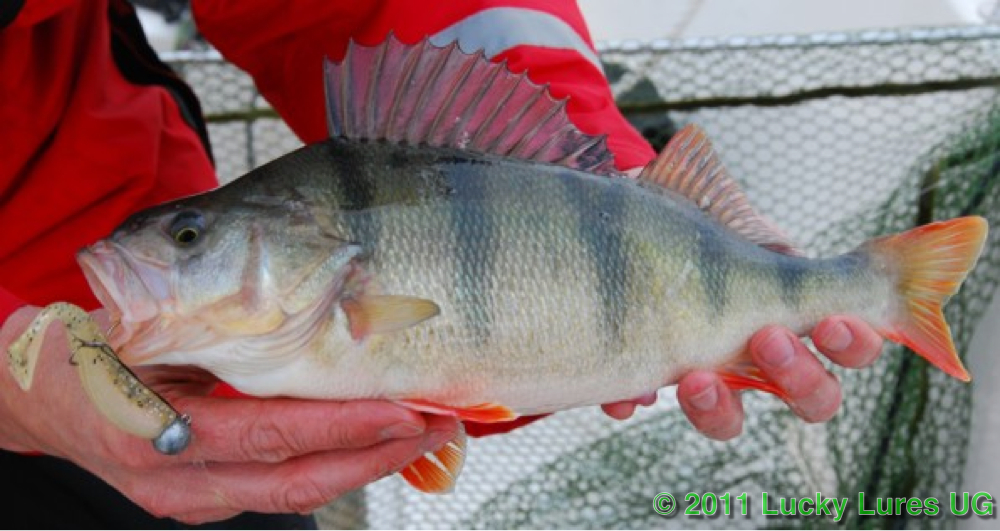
(91, 133)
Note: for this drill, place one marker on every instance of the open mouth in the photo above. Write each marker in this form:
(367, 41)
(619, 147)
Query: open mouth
(105, 272)
(118, 284)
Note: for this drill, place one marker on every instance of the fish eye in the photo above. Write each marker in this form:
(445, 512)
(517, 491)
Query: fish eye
(186, 227)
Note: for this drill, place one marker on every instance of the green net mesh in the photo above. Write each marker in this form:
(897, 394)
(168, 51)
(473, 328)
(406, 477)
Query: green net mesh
(838, 138)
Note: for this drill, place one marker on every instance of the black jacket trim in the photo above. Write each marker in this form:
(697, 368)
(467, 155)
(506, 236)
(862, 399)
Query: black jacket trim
(140, 65)
(8, 11)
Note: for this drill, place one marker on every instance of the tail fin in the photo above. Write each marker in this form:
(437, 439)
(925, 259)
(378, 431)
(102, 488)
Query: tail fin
(933, 260)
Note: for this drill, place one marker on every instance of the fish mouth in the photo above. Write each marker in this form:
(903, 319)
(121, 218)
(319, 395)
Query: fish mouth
(132, 291)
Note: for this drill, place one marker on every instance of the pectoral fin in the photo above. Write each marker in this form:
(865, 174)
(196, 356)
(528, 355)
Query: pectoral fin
(381, 314)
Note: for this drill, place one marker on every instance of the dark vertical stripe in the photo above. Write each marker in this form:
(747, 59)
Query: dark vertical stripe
(852, 263)
(791, 273)
(474, 228)
(357, 190)
(713, 264)
(848, 267)
(357, 186)
(600, 209)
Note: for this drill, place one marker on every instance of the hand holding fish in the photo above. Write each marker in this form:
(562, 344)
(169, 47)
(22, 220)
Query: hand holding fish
(279, 455)
(812, 392)
(716, 410)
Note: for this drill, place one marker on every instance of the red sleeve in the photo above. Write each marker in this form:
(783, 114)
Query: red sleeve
(8, 304)
(591, 105)
(81, 148)
(34, 12)
(282, 45)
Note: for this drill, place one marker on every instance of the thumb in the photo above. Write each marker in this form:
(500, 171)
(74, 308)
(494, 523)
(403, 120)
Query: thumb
(16, 324)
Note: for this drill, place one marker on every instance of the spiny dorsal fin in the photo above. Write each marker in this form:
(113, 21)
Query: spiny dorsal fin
(444, 97)
(690, 167)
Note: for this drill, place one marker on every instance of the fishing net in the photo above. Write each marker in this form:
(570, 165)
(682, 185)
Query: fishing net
(837, 137)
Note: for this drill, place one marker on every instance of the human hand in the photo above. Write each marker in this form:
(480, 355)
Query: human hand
(247, 454)
(814, 393)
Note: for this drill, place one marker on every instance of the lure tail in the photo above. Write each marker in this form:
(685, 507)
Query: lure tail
(932, 261)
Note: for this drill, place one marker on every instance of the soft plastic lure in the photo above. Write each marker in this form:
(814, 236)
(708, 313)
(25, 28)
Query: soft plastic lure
(114, 389)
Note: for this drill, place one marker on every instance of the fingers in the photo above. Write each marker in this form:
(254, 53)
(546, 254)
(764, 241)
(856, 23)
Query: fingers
(619, 410)
(16, 323)
(813, 392)
(713, 409)
(270, 431)
(211, 491)
(847, 341)
(276, 455)
(311, 481)
(625, 409)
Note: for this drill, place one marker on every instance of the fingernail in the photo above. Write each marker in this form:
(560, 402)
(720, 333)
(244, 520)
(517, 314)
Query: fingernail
(437, 439)
(705, 400)
(777, 350)
(837, 338)
(402, 430)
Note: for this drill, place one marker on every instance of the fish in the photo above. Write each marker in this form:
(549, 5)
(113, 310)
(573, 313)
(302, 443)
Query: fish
(459, 247)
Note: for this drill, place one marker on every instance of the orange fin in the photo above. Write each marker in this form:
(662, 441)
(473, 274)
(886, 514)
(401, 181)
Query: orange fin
(436, 472)
(744, 375)
(689, 166)
(381, 314)
(932, 261)
(485, 413)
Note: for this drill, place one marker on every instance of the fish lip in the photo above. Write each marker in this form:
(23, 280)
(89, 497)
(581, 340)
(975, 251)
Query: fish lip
(99, 262)
(119, 286)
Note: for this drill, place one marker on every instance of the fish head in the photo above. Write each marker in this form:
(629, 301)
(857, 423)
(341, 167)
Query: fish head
(194, 274)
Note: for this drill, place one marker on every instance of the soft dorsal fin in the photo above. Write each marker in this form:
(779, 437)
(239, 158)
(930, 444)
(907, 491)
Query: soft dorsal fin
(441, 96)
(690, 167)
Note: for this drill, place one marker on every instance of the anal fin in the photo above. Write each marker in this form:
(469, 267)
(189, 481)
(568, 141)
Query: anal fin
(436, 472)
(485, 413)
(745, 375)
